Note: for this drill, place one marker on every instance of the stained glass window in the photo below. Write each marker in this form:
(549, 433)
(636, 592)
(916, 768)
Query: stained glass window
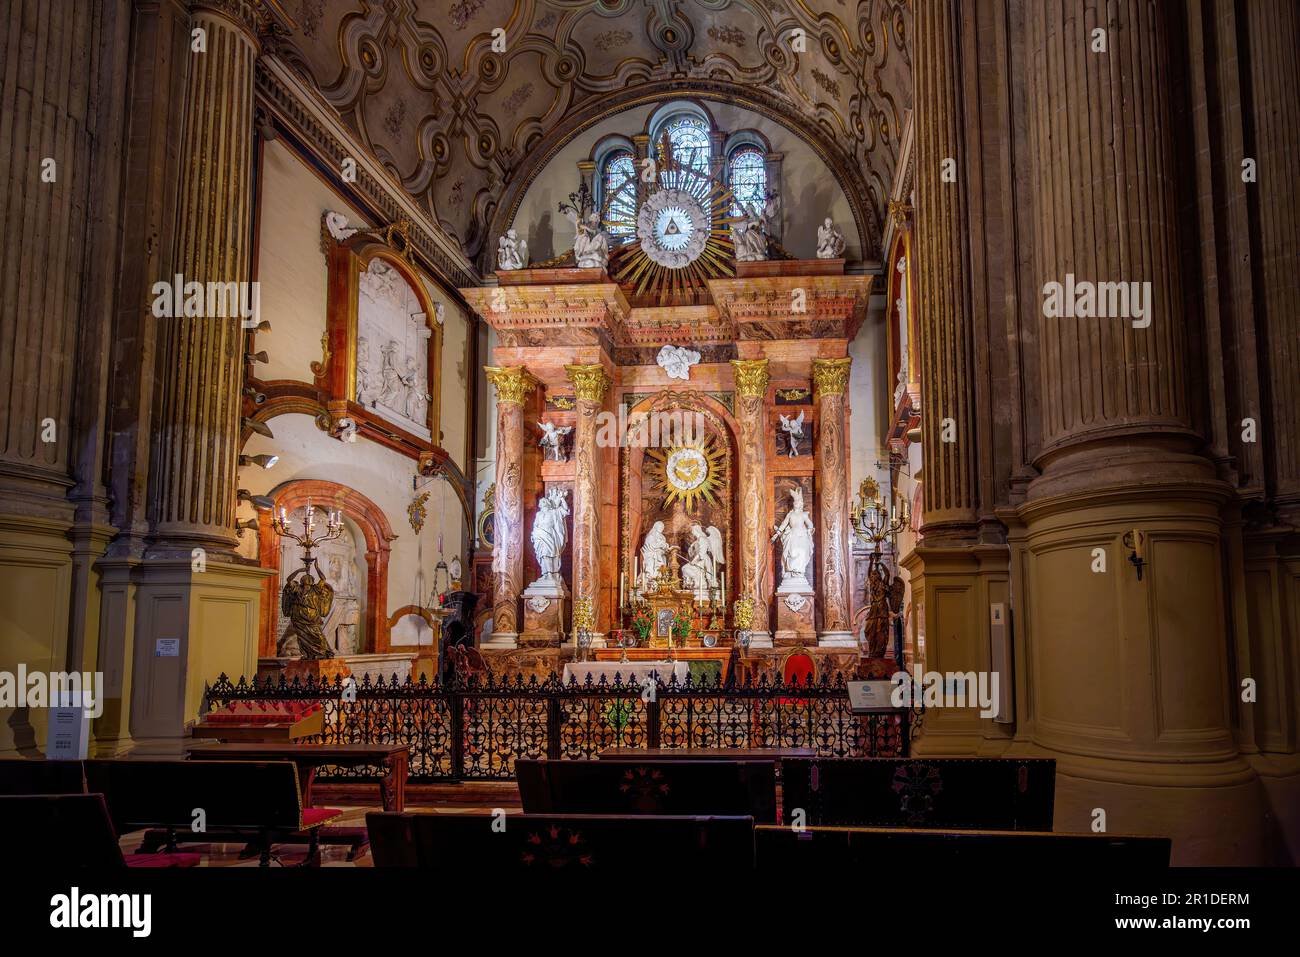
(689, 137)
(747, 177)
(618, 193)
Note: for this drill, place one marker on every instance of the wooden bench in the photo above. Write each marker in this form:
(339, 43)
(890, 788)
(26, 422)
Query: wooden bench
(70, 830)
(725, 788)
(992, 794)
(257, 801)
(41, 776)
(391, 758)
(840, 849)
(543, 843)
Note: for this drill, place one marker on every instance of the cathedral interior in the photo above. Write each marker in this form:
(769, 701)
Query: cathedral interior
(440, 345)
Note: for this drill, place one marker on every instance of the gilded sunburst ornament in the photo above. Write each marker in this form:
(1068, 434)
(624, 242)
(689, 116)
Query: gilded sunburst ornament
(690, 472)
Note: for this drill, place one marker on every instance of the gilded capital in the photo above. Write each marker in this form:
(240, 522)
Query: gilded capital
(589, 382)
(900, 212)
(751, 376)
(830, 376)
(513, 383)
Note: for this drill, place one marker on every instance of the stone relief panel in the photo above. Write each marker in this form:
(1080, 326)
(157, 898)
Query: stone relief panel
(392, 349)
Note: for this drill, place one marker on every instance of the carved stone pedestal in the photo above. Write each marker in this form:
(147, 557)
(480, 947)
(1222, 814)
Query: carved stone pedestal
(795, 623)
(543, 615)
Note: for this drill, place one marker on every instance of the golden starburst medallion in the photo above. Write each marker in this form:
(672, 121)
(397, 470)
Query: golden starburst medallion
(690, 471)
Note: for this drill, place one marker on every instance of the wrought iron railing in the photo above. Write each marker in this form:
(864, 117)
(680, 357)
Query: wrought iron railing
(474, 730)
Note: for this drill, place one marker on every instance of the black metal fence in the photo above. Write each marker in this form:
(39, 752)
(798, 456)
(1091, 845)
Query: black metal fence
(476, 729)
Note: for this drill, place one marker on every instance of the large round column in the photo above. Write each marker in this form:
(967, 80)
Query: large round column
(1128, 688)
(830, 379)
(590, 383)
(751, 394)
(513, 387)
(200, 359)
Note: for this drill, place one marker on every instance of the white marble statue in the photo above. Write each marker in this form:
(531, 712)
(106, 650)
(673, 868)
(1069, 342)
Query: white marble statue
(705, 554)
(590, 242)
(830, 241)
(677, 361)
(365, 382)
(417, 396)
(512, 252)
(338, 227)
(793, 429)
(392, 356)
(439, 313)
(552, 440)
(750, 236)
(654, 556)
(796, 535)
(550, 534)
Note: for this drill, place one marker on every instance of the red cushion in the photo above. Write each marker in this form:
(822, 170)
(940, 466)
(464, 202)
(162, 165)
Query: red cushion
(312, 816)
(163, 860)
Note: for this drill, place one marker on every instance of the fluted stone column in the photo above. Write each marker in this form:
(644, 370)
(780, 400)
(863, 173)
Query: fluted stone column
(513, 386)
(196, 425)
(755, 548)
(830, 379)
(1128, 689)
(590, 383)
(197, 610)
(944, 315)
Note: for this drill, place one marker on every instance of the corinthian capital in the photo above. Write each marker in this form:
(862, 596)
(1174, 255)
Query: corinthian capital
(513, 383)
(830, 376)
(589, 382)
(751, 376)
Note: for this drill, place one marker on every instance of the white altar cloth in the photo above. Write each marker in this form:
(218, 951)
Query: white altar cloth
(631, 672)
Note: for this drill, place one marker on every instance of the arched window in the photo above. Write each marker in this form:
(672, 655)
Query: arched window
(618, 193)
(747, 177)
(688, 135)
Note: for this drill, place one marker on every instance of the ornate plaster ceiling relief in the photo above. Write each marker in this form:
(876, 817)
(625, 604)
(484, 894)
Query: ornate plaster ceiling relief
(464, 127)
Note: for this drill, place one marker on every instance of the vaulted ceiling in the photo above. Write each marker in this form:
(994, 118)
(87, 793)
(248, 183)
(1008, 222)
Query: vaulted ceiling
(465, 128)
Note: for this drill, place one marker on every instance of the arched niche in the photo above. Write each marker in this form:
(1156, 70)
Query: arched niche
(376, 531)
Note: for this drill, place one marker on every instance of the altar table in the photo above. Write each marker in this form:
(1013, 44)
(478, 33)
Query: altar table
(637, 655)
(631, 672)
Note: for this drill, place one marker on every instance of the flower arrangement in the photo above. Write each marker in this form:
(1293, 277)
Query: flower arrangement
(681, 626)
(641, 624)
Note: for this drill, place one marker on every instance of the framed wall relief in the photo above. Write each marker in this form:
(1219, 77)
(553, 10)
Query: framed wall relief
(383, 343)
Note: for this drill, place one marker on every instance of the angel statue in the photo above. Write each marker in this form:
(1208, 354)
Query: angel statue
(550, 534)
(552, 441)
(512, 252)
(830, 241)
(591, 243)
(796, 535)
(700, 573)
(793, 429)
(306, 602)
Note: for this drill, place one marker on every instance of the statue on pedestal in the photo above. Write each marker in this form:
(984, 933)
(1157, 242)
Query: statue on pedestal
(512, 252)
(307, 603)
(796, 535)
(830, 241)
(550, 534)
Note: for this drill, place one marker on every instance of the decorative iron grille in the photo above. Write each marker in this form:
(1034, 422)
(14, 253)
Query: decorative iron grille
(476, 729)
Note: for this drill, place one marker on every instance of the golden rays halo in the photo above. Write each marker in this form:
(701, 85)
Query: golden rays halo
(689, 471)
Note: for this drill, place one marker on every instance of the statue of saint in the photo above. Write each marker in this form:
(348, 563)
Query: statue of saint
(654, 555)
(750, 237)
(550, 533)
(796, 535)
(590, 243)
(830, 241)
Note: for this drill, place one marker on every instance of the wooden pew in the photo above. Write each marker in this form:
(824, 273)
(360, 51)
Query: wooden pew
(991, 794)
(727, 788)
(542, 843)
(862, 849)
(41, 776)
(241, 800)
(68, 831)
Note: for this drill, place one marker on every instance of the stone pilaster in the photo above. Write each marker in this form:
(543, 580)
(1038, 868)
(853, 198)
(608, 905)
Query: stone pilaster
(514, 385)
(590, 383)
(830, 379)
(942, 272)
(755, 524)
(196, 421)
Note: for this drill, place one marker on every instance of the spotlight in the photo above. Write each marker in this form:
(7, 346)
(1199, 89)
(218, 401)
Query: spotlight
(257, 501)
(265, 461)
(263, 326)
(246, 523)
(257, 356)
(261, 428)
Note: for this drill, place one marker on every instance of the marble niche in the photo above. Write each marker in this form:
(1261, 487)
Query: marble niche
(393, 349)
(342, 562)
